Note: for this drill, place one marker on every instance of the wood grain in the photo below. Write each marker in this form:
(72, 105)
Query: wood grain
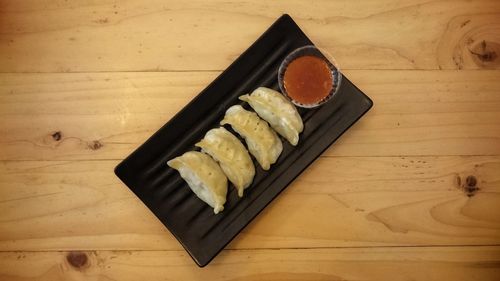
(338, 201)
(411, 192)
(434, 263)
(107, 115)
(155, 35)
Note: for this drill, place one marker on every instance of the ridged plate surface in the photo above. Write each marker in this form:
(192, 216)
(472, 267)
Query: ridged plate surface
(191, 221)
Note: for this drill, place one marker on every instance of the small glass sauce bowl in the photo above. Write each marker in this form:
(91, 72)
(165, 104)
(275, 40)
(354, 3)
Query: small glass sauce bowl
(313, 77)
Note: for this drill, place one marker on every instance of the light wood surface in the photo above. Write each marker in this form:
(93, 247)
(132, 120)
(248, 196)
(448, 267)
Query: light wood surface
(107, 115)
(422, 263)
(411, 192)
(157, 35)
(338, 201)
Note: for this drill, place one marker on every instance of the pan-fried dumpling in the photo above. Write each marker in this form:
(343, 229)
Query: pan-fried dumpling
(281, 114)
(204, 177)
(262, 141)
(232, 156)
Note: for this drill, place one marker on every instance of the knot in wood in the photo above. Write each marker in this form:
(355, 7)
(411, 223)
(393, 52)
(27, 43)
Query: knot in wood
(77, 260)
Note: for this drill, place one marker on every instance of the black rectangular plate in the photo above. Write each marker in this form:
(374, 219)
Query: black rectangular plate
(191, 221)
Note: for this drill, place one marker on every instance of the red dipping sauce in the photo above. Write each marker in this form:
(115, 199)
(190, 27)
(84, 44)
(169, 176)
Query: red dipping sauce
(308, 80)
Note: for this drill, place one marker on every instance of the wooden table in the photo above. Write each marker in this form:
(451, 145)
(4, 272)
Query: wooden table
(411, 192)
